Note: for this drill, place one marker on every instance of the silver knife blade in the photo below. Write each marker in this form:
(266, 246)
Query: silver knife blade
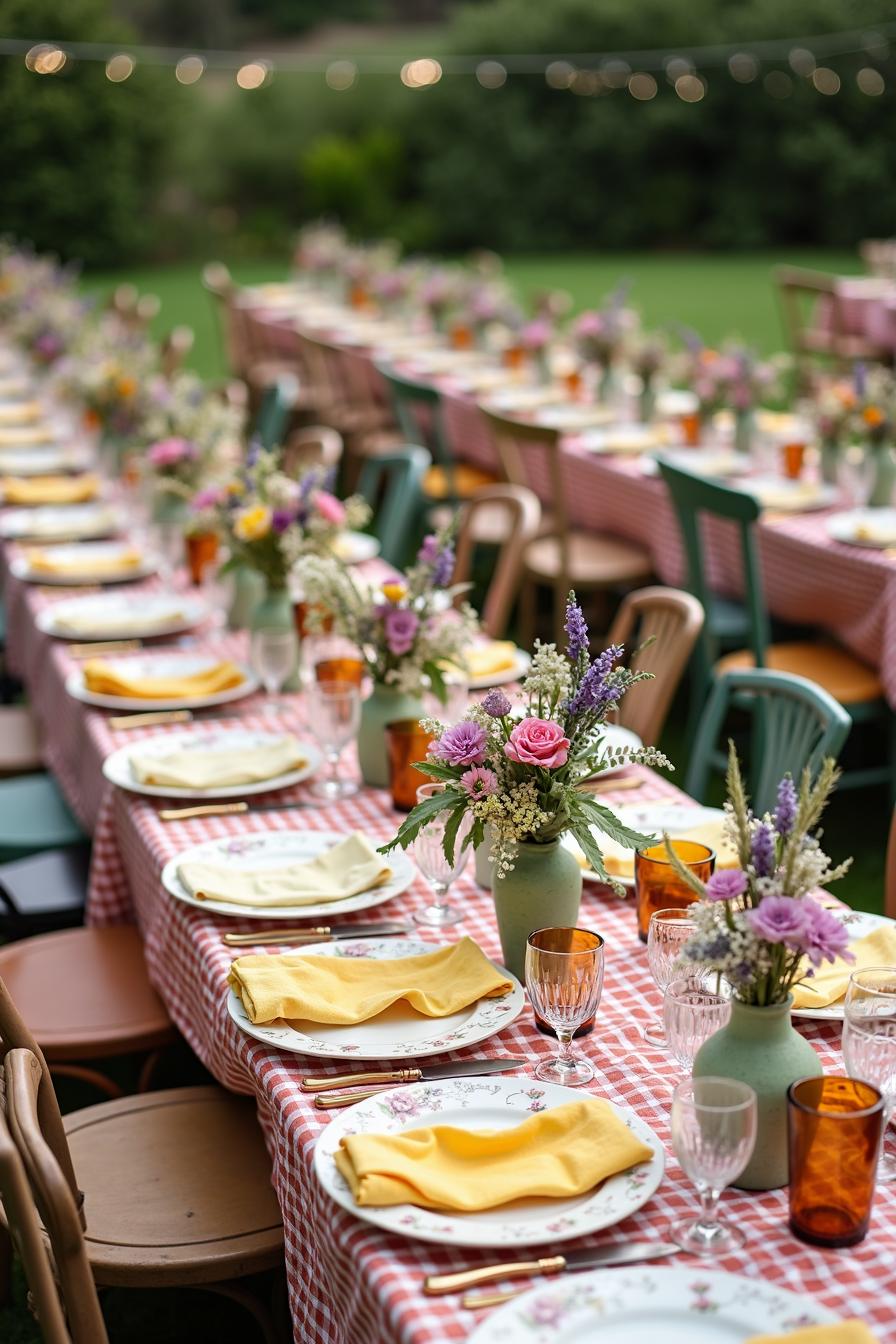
(319, 934)
(469, 1068)
(626, 1253)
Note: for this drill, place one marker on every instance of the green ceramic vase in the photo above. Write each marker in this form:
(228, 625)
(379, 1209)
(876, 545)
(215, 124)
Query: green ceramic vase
(246, 593)
(761, 1047)
(544, 888)
(884, 477)
(274, 612)
(743, 431)
(830, 452)
(384, 705)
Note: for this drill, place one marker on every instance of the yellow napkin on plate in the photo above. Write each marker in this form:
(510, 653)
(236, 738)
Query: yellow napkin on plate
(620, 862)
(221, 768)
(28, 490)
(23, 436)
(484, 660)
(841, 1332)
(346, 990)
(558, 1153)
(830, 980)
(19, 412)
(350, 867)
(90, 564)
(105, 679)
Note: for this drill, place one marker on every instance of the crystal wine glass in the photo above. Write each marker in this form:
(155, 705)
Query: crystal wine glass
(274, 654)
(334, 717)
(713, 1134)
(435, 867)
(667, 934)
(855, 473)
(869, 1042)
(692, 1012)
(564, 978)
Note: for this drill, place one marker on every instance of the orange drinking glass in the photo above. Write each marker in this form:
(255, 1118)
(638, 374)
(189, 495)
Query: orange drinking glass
(406, 742)
(657, 884)
(346, 670)
(834, 1129)
(461, 336)
(793, 458)
(300, 613)
(690, 429)
(202, 552)
(573, 383)
(514, 357)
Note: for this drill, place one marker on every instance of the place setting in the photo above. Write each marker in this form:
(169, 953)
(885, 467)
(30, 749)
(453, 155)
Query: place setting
(73, 565)
(77, 522)
(161, 681)
(105, 616)
(37, 491)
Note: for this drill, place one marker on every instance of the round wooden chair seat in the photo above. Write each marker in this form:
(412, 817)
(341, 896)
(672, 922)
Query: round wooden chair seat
(596, 560)
(177, 1188)
(848, 680)
(85, 993)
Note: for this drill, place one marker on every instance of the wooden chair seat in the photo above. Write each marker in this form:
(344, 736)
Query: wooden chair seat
(85, 993)
(177, 1188)
(844, 677)
(19, 741)
(465, 479)
(596, 561)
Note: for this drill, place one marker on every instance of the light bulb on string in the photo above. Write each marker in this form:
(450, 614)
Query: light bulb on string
(743, 67)
(642, 86)
(491, 74)
(189, 69)
(559, 74)
(826, 80)
(120, 67)
(341, 75)
(690, 88)
(870, 81)
(253, 74)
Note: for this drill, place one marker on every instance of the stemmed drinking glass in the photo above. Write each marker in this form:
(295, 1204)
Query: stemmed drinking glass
(855, 473)
(564, 978)
(274, 654)
(692, 1012)
(334, 717)
(869, 1042)
(667, 934)
(434, 865)
(713, 1134)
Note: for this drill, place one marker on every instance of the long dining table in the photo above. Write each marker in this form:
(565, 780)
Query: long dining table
(350, 1282)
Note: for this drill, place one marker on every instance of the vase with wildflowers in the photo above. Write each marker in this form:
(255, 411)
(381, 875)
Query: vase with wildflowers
(873, 425)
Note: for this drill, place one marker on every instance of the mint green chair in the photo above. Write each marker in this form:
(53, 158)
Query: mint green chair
(273, 413)
(392, 484)
(795, 723)
(34, 816)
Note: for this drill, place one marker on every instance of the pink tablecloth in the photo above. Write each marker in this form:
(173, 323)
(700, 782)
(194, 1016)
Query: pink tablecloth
(349, 1282)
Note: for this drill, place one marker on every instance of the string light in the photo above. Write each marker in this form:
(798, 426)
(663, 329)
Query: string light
(253, 74)
(341, 75)
(642, 86)
(491, 74)
(801, 62)
(120, 67)
(826, 80)
(743, 67)
(870, 81)
(690, 88)
(189, 69)
(418, 74)
(45, 59)
(559, 74)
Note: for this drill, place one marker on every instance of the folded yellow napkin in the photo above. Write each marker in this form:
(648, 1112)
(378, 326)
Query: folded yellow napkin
(19, 412)
(345, 990)
(484, 660)
(90, 564)
(830, 980)
(114, 623)
(22, 436)
(344, 870)
(558, 1153)
(105, 679)
(29, 490)
(203, 769)
(841, 1332)
(620, 862)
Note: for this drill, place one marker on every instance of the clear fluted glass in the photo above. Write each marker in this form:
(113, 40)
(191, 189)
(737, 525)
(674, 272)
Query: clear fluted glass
(564, 978)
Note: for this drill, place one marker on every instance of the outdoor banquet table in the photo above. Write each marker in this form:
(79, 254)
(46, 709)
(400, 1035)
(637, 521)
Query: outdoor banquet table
(351, 1283)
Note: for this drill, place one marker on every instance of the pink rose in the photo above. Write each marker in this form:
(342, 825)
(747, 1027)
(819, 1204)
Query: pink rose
(537, 742)
(331, 509)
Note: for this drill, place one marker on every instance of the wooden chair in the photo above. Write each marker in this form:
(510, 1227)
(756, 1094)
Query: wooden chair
(219, 284)
(813, 318)
(174, 349)
(519, 513)
(562, 557)
(672, 621)
(391, 485)
(316, 446)
(795, 724)
(840, 674)
(20, 751)
(173, 1188)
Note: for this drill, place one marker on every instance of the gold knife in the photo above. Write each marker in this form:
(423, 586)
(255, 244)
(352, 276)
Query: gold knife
(346, 1089)
(624, 1253)
(151, 717)
(104, 646)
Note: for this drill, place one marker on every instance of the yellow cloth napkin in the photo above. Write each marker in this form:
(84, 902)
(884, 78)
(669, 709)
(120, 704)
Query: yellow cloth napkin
(19, 412)
(830, 980)
(89, 564)
(620, 862)
(558, 1153)
(23, 436)
(28, 490)
(345, 990)
(105, 679)
(484, 660)
(841, 1332)
(203, 769)
(345, 870)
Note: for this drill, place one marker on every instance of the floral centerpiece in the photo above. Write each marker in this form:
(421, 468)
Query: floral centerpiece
(600, 335)
(536, 337)
(524, 775)
(106, 372)
(833, 404)
(760, 928)
(190, 432)
(732, 379)
(873, 423)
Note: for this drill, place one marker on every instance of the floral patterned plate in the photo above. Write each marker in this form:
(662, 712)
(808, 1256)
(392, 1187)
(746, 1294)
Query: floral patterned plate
(118, 770)
(650, 819)
(494, 1104)
(272, 849)
(860, 924)
(649, 1305)
(399, 1032)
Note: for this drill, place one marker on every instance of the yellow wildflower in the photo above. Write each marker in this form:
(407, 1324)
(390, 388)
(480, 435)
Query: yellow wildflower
(394, 592)
(253, 524)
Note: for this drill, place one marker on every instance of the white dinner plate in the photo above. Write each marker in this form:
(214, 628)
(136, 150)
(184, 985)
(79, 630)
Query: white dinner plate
(273, 849)
(520, 397)
(161, 665)
(353, 548)
(784, 496)
(716, 463)
(87, 551)
(650, 819)
(650, 1305)
(872, 528)
(615, 737)
(572, 416)
(54, 522)
(117, 766)
(43, 460)
(397, 1033)
(859, 924)
(115, 615)
(622, 440)
(490, 1104)
(522, 661)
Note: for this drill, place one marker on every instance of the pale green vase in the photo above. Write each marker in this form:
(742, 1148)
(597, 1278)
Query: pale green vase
(274, 612)
(884, 477)
(384, 705)
(761, 1047)
(830, 452)
(743, 431)
(543, 889)
(247, 592)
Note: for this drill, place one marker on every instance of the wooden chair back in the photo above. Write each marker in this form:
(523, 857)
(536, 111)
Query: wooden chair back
(530, 456)
(800, 294)
(672, 621)
(51, 1199)
(315, 446)
(521, 512)
(417, 407)
(392, 484)
(175, 348)
(148, 308)
(219, 284)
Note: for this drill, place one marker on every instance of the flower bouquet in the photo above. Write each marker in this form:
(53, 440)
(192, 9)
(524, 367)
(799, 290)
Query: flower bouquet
(873, 424)
(190, 432)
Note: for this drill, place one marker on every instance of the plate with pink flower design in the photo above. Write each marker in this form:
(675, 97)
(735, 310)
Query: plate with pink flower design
(638, 1306)
(828, 979)
(492, 1104)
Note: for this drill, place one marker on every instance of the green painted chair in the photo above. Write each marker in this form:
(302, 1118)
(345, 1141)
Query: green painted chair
(273, 414)
(34, 817)
(392, 485)
(848, 680)
(794, 724)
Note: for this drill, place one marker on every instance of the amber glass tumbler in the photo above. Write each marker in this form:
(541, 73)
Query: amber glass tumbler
(793, 458)
(406, 742)
(658, 886)
(691, 427)
(347, 669)
(202, 553)
(834, 1129)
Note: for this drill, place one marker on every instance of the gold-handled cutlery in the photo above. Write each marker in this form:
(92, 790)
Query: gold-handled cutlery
(624, 1253)
(150, 717)
(102, 646)
(322, 933)
(614, 785)
(345, 1089)
(227, 809)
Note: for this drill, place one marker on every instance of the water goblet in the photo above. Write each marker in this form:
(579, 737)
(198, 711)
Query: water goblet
(274, 654)
(564, 978)
(435, 866)
(869, 1042)
(334, 718)
(692, 1012)
(855, 473)
(713, 1135)
(667, 934)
